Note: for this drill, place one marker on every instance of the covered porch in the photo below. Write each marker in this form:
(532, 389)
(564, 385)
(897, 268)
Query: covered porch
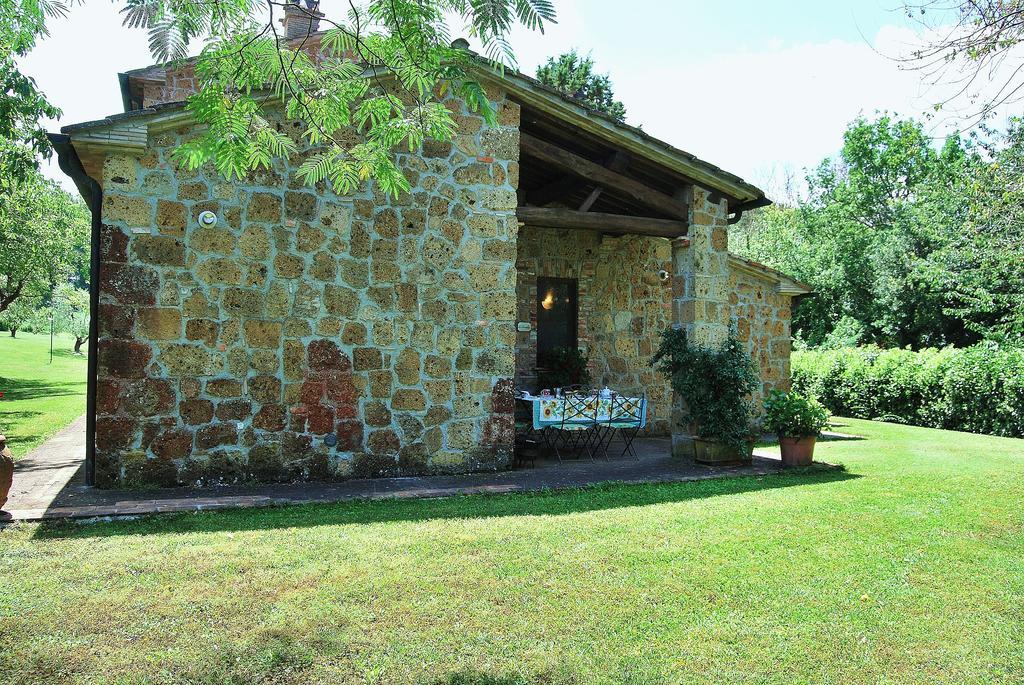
(617, 242)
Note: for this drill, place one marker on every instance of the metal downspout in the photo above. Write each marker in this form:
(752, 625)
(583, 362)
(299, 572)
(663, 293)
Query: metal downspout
(92, 192)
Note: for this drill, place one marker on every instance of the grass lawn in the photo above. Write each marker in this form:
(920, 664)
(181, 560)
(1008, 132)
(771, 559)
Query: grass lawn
(39, 398)
(908, 567)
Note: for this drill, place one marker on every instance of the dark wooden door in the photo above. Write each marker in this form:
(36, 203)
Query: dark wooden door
(557, 314)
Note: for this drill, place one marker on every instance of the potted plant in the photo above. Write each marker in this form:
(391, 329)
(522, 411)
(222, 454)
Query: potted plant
(715, 386)
(6, 470)
(562, 367)
(798, 421)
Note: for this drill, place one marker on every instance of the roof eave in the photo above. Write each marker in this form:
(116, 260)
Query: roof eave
(534, 93)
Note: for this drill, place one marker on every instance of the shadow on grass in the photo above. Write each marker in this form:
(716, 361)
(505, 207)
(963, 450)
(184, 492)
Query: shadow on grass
(839, 437)
(600, 497)
(15, 389)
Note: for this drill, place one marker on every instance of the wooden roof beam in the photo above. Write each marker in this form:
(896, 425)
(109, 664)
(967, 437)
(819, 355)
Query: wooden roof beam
(602, 176)
(613, 224)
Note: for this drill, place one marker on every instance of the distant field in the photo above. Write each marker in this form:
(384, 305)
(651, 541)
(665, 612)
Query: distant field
(39, 398)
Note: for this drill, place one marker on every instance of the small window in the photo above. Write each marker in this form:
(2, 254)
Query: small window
(557, 314)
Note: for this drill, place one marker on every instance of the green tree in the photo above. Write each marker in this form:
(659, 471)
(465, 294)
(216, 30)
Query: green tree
(20, 315)
(574, 75)
(383, 70)
(71, 313)
(970, 44)
(868, 238)
(22, 105)
(981, 264)
(43, 233)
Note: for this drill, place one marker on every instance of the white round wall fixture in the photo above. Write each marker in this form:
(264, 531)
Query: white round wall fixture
(207, 219)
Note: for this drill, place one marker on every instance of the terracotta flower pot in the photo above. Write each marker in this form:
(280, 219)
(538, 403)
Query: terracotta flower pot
(6, 470)
(797, 451)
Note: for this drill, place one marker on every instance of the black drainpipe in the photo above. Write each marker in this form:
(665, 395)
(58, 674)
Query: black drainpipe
(92, 192)
(737, 211)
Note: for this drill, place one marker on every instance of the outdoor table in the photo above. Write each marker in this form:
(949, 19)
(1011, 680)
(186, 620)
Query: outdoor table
(548, 412)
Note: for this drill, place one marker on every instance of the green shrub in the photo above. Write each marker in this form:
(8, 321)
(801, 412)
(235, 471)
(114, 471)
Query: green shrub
(715, 384)
(978, 389)
(792, 415)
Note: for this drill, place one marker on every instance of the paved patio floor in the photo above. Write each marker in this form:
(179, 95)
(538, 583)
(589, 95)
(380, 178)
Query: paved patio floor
(49, 482)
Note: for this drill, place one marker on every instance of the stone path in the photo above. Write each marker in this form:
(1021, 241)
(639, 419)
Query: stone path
(41, 476)
(49, 482)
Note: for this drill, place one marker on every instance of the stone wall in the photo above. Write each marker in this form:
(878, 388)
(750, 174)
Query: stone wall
(623, 307)
(239, 352)
(761, 317)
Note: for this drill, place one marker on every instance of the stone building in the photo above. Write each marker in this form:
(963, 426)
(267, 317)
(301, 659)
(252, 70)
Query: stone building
(310, 335)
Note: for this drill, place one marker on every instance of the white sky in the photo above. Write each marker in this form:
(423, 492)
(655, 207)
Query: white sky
(752, 101)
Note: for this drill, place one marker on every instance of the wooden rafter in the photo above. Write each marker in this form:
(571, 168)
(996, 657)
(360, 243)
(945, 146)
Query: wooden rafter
(614, 224)
(602, 176)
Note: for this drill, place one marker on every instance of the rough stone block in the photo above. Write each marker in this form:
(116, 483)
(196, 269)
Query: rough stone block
(294, 360)
(270, 417)
(224, 387)
(254, 243)
(203, 330)
(407, 366)
(242, 302)
(367, 358)
(263, 334)
(159, 323)
(324, 354)
(175, 443)
(115, 432)
(384, 442)
(350, 436)
(123, 358)
(132, 211)
(171, 215)
(377, 414)
(461, 435)
(265, 208)
(196, 411)
(147, 397)
(381, 383)
(213, 239)
(298, 206)
(129, 284)
(320, 419)
(188, 360)
(162, 250)
(216, 434)
(409, 400)
(288, 266)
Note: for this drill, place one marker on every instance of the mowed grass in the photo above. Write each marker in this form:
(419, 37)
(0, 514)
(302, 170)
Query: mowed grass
(907, 567)
(39, 398)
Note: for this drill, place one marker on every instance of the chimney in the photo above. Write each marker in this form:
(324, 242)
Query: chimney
(299, 21)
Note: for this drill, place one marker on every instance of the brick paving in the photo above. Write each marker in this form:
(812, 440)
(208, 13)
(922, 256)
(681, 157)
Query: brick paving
(49, 483)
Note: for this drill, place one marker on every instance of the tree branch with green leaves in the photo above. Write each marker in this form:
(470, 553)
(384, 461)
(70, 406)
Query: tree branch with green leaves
(383, 70)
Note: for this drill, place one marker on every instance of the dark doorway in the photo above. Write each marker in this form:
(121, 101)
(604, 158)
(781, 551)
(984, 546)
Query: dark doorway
(557, 314)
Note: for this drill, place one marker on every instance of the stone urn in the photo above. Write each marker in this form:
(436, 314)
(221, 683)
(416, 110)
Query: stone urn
(6, 470)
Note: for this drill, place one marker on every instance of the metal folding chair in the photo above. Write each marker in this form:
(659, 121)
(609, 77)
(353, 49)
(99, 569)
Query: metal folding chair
(579, 423)
(626, 417)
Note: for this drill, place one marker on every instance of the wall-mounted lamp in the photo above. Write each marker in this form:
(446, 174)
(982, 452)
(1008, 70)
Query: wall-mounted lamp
(549, 299)
(207, 219)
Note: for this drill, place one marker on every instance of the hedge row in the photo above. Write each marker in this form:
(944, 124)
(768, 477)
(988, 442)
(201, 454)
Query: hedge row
(978, 389)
